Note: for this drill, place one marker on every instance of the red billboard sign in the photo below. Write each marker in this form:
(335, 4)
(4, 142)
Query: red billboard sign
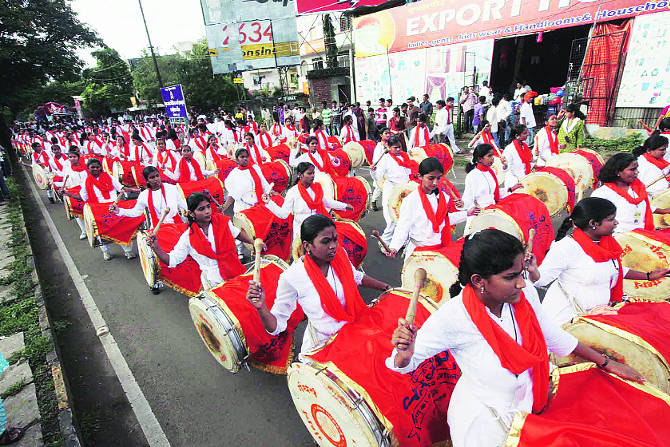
(310, 6)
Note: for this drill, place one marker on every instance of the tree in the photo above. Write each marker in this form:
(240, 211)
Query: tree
(108, 86)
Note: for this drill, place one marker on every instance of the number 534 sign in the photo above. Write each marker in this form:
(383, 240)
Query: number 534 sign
(249, 32)
(255, 38)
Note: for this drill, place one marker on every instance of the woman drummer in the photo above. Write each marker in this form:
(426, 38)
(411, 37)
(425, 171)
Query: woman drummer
(586, 264)
(652, 165)
(427, 214)
(482, 187)
(246, 186)
(621, 186)
(323, 282)
(517, 156)
(499, 335)
(307, 198)
(256, 154)
(209, 240)
(546, 141)
(319, 158)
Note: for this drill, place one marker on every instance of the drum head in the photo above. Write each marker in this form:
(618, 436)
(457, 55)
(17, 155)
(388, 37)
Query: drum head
(498, 167)
(495, 218)
(355, 152)
(620, 349)
(441, 273)
(547, 188)
(68, 207)
(326, 183)
(218, 332)
(644, 255)
(40, 176)
(398, 194)
(662, 200)
(418, 154)
(334, 414)
(577, 166)
(91, 226)
(148, 261)
(243, 223)
(117, 170)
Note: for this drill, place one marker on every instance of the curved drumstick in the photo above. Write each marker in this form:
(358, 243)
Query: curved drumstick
(211, 197)
(160, 221)
(419, 279)
(531, 237)
(386, 149)
(377, 236)
(266, 196)
(644, 125)
(657, 180)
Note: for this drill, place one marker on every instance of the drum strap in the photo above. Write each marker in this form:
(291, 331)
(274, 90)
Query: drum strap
(575, 305)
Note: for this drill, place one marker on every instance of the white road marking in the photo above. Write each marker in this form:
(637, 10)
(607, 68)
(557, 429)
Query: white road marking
(145, 416)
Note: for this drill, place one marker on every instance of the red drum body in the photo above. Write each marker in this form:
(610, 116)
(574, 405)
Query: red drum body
(340, 162)
(369, 149)
(212, 184)
(73, 207)
(277, 172)
(350, 236)
(279, 152)
(334, 142)
(356, 153)
(126, 173)
(108, 164)
(354, 191)
(516, 214)
(440, 151)
(259, 222)
(138, 178)
(184, 278)
(346, 396)
(225, 166)
(595, 160)
(108, 226)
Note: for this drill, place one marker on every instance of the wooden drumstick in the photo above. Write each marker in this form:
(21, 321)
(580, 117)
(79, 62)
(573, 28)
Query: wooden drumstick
(211, 197)
(580, 193)
(657, 180)
(419, 279)
(644, 125)
(531, 237)
(377, 236)
(475, 138)
(258, 247)
(160, 221)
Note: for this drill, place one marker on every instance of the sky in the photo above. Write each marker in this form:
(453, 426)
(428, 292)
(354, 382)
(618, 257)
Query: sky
(119, 24)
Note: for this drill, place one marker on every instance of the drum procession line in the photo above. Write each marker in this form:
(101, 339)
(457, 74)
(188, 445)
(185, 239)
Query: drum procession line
(145, 416)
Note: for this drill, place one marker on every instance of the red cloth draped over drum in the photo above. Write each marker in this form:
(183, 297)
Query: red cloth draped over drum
(339, 161)
(416, 404)
(279, 152)
(127, 178)
(596, 165)
(115, 228)
(275, 232)
(593, 408)
(225, 166)
(351, 190)
(334, 142)
(442, 152)
(353, 241)
(211, 184)
(369, 149)
(77, 206)
(267, 352)
(184, 278)
(276, 172)
(566, 179)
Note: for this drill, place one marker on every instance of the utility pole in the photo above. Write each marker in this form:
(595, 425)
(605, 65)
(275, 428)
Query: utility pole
(151, 48)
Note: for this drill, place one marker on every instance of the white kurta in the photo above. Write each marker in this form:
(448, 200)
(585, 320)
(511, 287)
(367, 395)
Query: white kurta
(628, 215)
(173, 199)
(174, 175)
(64, 162)
(581, 283)
(422, 137)
(98, 194)
(648, 173)
(295, 160)
(480, 189)
(484, 383)
(209, 266)
(294, 203)
(542, 150)
(516, 170)
(295, 288)
(322, 136)
(240, 186)
(167, 163)
(414, 227)
(145, 154)
(263, 153)
(74, 178)
(394, 174)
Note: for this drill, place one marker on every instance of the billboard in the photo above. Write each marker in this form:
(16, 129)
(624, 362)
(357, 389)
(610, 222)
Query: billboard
(250, 34)
(175, 105)
(310, 6)
(432, 23)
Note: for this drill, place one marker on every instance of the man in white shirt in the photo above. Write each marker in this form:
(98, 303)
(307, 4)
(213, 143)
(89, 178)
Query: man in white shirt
(485, 91)
(527, 117)
(444, 123)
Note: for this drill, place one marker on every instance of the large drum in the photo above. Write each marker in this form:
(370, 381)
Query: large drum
(441, 265)
(356, 153)
(595, 160)
(327, 184)
(98, 221)
(645, 251)
(369, 149)
(398, 194)
(661, 200)
(41, 176)
(354, 191)
(138, 178)
(516, 214)
(225, 166)
(184, 278)
(279, 173)
(123, 171)
(577, 166)
(351, 237)
(346, 396)
(259, 222)
(231, 328)
(552, 186)
(279, 152)
(636, 335)
(340, 161)
(211, 184)
(73, 207)
(108, 164)
(440, 151)
(334, 142)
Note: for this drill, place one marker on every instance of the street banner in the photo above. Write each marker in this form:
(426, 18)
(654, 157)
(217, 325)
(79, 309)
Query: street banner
(430, 23)
(175, 105)
(312, 6)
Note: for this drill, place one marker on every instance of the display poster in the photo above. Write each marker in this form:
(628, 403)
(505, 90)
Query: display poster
(430, 23)
(312, 6)
(646, 76)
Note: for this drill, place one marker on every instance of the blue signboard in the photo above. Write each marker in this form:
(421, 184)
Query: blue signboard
(175, 105)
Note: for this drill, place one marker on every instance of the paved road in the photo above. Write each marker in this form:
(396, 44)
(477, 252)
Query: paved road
(196, 402)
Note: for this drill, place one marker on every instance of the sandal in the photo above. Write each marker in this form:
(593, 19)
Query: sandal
(11, 435)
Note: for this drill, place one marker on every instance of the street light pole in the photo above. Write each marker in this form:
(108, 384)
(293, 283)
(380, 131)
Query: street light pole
(151, 48)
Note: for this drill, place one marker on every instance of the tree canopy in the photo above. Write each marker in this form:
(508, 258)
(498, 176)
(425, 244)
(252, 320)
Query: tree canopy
(108, 86)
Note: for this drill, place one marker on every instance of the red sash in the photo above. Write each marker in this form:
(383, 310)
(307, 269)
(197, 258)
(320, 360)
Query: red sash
(437, 217)
(496, 192)
(638, 187)
(659, 163)
(258, 185)
(403, 161)
(212, 152)
(326, 166)
(315, 204)
(42, 155)
(185, 172)
(354, 304)
(58, 163)
(276, 130)
(265, 140)
(229, 265)
(322, 135)
(103, 183)
(553, 140)
(80, 168)
(514, 357)
(200, 143)
(162, 159)
(607, 249)
(138, 157)
(426, 135)
(257, 153)
(351, 136)
(523, 151)
(152, 208)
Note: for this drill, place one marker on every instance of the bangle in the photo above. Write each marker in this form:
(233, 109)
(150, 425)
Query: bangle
(604, 364)
(648, 276)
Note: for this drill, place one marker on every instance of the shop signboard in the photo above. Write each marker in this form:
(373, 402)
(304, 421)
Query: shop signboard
(250, 34)
(432, 23)
(312, 6)
(175, 105)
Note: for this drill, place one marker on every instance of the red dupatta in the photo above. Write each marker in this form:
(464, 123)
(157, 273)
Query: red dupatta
(257, 153)
(426, 135)
(185, 172)
(315, 204)
(152, 208)
(103, 183)
(638, 187)
(532, 353)
(607, 249)
(403, 161)
(658, 162)
(437, 217)
(229, 264)
(553, 140)
(496, 192)
(523, 151)
(258, 185)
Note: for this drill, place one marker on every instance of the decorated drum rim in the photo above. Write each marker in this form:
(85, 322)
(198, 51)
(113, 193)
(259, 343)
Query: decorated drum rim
(496, 211)
(553, 177)
(90, 225)
(428, 299)
(145, 260)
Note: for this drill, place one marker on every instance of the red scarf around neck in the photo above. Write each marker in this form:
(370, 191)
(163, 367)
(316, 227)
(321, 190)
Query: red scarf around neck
(523, 151)
(152, 209)
(79, 168)
(265, 140)
(164, 156)
(426, 135)
(138, 154)
(532, 353)
(350, 136)
(41, 156)
(607, 249)
(276, 130)
(57, 162)
(553, 140)
(258, 185)
(638, 187)
(354, 304)
(658, 162)
(212, 150)
(103, 183)
(257, 152)
(437, 217)
(185, 172)
(229, 265)
(403, 161)
(496, 191)
(321, 136)
(315, 204)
